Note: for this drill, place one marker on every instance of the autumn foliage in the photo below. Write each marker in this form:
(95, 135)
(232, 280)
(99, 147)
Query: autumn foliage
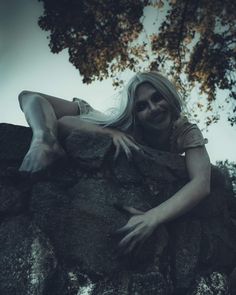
(195, 44)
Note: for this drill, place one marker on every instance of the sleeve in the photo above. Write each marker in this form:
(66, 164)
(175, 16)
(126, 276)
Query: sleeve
(186, 135)
(88, 113)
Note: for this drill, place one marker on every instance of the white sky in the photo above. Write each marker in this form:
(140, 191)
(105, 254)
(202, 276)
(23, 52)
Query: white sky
(27, 63)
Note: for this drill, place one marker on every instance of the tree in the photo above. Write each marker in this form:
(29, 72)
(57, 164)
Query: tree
(195, 44)
(229, 168)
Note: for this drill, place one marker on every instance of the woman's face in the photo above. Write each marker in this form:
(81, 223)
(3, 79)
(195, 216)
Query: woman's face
(151, 109)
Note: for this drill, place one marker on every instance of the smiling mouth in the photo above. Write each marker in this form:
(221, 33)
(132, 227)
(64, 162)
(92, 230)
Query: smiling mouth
(159, 116)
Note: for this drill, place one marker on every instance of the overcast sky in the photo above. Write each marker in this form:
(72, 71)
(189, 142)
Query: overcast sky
(27, 63)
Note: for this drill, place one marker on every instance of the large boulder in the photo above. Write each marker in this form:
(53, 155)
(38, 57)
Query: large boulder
(58, 228)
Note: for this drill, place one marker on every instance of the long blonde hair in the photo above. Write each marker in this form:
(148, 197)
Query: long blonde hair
(123, 117)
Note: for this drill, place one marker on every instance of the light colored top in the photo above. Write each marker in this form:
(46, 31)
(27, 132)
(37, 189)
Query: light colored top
(185, 135)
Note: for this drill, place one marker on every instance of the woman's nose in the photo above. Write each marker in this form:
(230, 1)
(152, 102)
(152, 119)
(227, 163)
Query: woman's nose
(153, 106)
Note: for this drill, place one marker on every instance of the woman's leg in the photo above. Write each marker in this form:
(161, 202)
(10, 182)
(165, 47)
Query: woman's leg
(42, 113)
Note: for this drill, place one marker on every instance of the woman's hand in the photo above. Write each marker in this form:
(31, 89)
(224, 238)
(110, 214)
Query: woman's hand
(122, 141)
(140, 226)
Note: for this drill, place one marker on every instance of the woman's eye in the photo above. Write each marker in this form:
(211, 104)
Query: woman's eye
(156, 98)
(141, 106)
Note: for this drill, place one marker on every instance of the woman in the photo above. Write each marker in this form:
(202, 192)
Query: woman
(151, 115)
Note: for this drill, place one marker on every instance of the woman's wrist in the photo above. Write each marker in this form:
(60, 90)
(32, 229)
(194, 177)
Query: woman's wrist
(108, 131)
(155, 217)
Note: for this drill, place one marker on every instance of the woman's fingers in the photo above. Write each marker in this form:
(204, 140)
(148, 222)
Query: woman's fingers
(125, 148)
(135, 243)
(128, 238)
(117, 150)
(131, 240)
(127, 228)
(132, 210)
(130, 143)
(125, 144)
(119, 143)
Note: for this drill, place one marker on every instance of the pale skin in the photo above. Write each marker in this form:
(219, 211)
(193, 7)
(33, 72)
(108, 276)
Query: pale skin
(57, 118)
(154, 114)
(50, 118)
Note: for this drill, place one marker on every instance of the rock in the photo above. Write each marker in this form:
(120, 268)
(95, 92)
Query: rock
(232, 281)
(213, 284)
(86, 150)
(14, 142)
(57, 231)
(27, 260)
(152, 283)
(11, 201)
(74, 212)
(125, 172)
(186, 238)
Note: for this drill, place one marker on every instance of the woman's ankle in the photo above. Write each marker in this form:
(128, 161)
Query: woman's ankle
(45, 137)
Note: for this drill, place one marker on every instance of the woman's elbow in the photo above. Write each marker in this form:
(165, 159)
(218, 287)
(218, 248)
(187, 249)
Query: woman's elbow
(208, 179)
(207, 189)
(22, 96)
(205, 184)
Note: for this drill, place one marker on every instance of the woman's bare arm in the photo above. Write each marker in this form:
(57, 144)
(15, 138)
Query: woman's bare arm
(121, 140)
(52, 118)
(199, 170)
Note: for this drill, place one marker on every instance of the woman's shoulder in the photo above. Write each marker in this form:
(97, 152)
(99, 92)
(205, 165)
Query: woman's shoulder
(185, 135)
(181, 122)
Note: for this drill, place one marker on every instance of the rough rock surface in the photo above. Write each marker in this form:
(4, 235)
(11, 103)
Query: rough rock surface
(57, 228)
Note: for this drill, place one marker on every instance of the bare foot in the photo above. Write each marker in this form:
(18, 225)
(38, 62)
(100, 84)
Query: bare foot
(40, 156)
